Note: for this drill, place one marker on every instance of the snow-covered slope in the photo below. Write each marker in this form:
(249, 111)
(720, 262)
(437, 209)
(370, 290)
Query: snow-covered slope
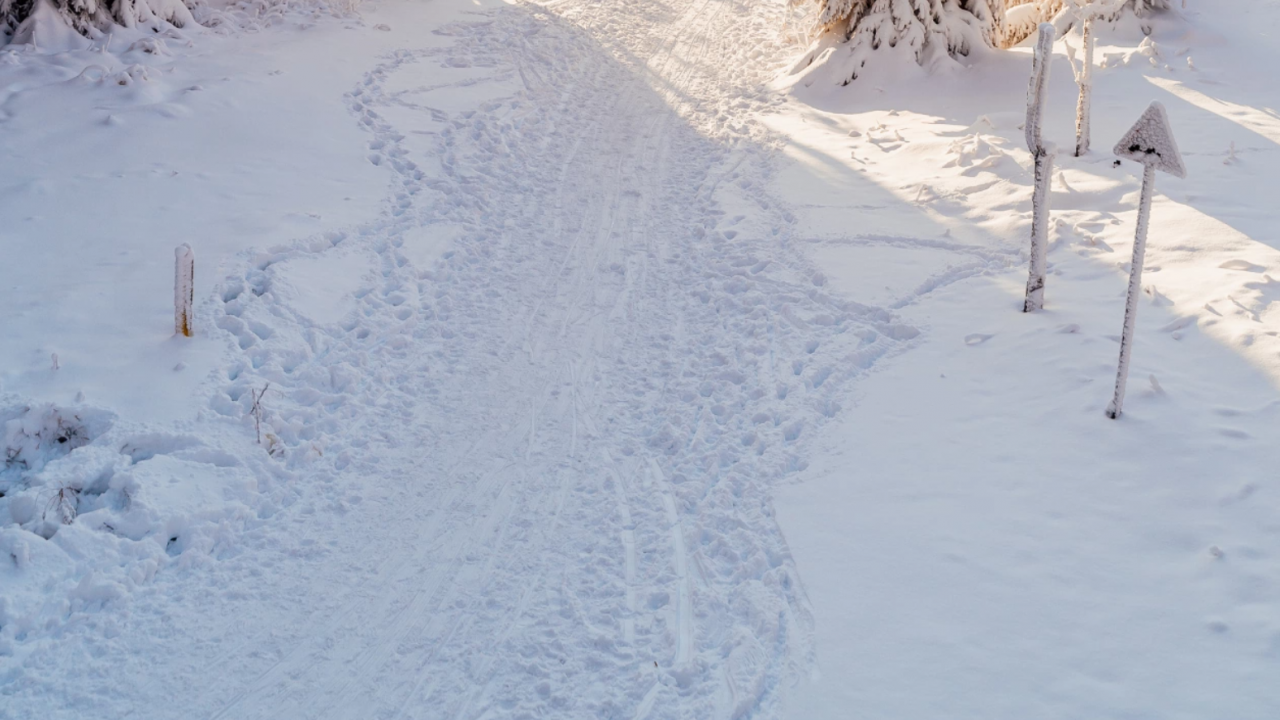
(502, 434)
(979, 540)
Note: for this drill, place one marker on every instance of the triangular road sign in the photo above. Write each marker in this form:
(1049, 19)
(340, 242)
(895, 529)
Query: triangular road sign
(1150, 142)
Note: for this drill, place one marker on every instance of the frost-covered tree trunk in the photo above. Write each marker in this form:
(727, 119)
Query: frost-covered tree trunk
(1088, 12)
(924, 27)
(1042, 152)
(91, 17)
(1084, 105)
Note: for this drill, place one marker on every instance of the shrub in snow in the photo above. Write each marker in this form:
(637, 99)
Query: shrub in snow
(63, 24)
(1023, 16)
(33, 435)
(29, 20)
(927, 29)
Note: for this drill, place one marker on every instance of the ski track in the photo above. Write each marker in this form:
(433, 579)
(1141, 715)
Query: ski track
(541, 467)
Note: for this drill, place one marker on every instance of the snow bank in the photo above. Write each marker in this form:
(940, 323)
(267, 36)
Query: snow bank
(91, 509)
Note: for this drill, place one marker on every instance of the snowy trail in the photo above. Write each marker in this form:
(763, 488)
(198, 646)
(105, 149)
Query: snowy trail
(617, 339)
(524, 432)
(519, 594)
(531, 477)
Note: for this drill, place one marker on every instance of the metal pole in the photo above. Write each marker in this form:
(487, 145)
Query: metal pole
(1135, 290)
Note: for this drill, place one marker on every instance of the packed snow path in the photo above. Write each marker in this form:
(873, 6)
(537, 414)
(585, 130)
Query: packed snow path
(533, 478)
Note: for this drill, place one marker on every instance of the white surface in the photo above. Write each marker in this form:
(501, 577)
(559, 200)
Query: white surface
(628, 385)
(977, 539)
(322, 288)
(518, 428)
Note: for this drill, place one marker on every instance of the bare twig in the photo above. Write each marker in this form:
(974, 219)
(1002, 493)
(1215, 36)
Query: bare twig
(256, 410)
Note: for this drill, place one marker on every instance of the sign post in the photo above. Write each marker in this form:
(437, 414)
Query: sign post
(1044, 167)
(1150, 142)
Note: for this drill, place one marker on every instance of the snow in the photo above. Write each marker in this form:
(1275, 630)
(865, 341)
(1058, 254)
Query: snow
(636, 378)
(322, 288)
(976, 538)
(145, 169)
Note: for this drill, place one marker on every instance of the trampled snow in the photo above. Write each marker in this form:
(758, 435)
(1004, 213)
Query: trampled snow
(575, 360)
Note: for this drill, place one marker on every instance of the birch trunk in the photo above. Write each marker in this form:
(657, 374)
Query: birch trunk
(1084, 107)
(1039, 233)
(1043, 155)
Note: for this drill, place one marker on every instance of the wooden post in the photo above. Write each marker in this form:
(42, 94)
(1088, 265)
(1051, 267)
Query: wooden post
(184, 289)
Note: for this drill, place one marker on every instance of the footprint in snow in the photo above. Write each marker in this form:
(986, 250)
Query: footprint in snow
(976, 339)
(1244, 265)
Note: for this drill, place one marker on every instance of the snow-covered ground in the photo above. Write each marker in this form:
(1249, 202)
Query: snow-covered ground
(516, 322)
(976, 538)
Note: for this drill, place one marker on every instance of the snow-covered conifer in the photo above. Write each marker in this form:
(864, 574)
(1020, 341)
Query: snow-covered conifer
(18, 18)
(924, 27)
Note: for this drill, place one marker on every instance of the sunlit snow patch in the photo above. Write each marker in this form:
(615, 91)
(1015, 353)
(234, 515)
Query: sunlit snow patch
(322, 288)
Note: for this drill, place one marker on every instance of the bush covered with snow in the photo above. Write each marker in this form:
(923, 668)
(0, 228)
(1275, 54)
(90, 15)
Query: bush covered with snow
(1024, 15)
(59, 23)
(25, 20)
(851, 32)
(926, 29)
(90, 508)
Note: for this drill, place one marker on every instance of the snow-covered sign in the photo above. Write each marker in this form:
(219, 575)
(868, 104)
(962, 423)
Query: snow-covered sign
(1150, 142)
